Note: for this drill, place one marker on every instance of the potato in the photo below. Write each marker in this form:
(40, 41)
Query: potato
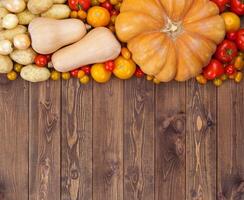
(34, 73)
(6, 64)
(39, 6)
(14, 6)
(26, 17)
(9, 34)
(59, 1)
(23, 57)
(57, 11)
(3, 12)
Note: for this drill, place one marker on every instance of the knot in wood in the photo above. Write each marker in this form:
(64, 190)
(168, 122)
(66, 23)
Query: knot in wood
(74, 174)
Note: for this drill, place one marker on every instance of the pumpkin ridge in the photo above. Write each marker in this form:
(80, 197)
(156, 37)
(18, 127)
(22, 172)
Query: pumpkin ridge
(162, 75)
(167, 51)
(203, 38)
(191, 69)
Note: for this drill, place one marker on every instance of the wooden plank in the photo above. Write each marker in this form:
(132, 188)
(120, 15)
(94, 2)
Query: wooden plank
(76, 141)
(13, 139)
(44, 127)
(170, 141)
(230, 142)
(201, 141)
(108, 109)
(139, 140)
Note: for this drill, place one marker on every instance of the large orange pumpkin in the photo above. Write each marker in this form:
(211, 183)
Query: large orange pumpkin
(170, 39)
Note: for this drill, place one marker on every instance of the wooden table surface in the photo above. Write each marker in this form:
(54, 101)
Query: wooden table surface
(121, 141)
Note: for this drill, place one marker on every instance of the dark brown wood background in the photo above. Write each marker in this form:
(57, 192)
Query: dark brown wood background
(127, 140)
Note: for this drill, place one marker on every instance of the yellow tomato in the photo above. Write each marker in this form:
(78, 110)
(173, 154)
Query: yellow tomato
(65, 75)
(124, 68)
(232, 21)
(217, 82)
(82, 14)
(125, 53)
(149, 78)
(201, 79)
(55, 75)
(17, 67)
(114, 2)
(239, 77)
(85, 79)
(74, 14)
(156, 81)
(98, 16)
(81, 74)
(95, 2)
(12, 76)
(100, 74)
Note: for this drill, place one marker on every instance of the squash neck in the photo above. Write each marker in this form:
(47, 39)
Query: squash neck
(172, 29)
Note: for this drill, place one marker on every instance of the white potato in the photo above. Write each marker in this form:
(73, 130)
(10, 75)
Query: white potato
(6, 64)
(3, 12)
(10, 21)
(14, 6)
(34, 73)
(39, 6)
(5, 47)
(9, 34)
(59, 1)
(23, 57)
(22, 41)
(57, 11)
(26, 17)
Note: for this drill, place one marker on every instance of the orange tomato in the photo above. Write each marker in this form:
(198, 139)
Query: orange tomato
(124, 68)
(98, 16)
(232, 21)
(100, 74)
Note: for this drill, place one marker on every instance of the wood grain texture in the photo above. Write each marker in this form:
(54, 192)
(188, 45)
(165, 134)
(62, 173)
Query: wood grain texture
(76, 141)
(201, 142)
(230, 142)
(44, 156)
(108, 109)
(138, 140)
(170, 142)
(13, 139)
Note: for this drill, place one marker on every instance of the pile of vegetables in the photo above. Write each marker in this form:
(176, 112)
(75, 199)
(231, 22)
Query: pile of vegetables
(158, 39)
(228, 60)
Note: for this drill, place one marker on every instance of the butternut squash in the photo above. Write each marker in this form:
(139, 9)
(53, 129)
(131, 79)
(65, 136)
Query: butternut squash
(49, 35)
(98, 46)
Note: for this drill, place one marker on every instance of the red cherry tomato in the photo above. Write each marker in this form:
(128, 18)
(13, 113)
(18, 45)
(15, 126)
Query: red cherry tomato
(230, 70)
(237, 6)
(107, 5)
(41, 60)
(222, 4)
(114, 12)
(240, 39)
(139, 73)
(86, 69)
(231, 36)
(74, 73)
(49, 56)
(109, 65)
(213, 70)
(79, 4)
(226, 51)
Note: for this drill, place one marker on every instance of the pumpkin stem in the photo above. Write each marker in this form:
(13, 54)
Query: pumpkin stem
(172, 28)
